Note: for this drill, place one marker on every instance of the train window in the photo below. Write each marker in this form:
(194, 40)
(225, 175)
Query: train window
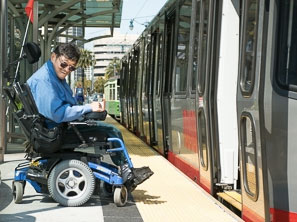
(249, 47)
(169, 47)
(287, 74)
(204, 42)
(202, 140)
(160, 45)
(196, 44)
(249, 156)
(183, 35)
(112, 92)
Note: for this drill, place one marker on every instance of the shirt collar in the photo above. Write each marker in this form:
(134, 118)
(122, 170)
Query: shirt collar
(52, 71)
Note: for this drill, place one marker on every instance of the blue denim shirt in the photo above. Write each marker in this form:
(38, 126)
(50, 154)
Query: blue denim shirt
(53, 97)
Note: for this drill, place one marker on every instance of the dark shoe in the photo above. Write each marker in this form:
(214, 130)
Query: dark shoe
(126, 173)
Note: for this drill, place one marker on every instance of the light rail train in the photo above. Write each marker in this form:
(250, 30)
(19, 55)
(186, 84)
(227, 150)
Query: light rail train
(212, 86)
(111, 95)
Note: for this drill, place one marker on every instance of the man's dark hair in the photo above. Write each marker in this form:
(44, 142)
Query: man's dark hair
(68, 50)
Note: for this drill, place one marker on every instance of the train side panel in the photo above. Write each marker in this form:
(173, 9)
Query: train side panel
(280, 108)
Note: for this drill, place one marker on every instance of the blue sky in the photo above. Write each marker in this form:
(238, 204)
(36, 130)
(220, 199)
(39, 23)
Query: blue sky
(142, 11)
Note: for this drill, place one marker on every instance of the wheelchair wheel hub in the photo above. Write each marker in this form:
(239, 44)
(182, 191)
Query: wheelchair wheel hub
(71, 183)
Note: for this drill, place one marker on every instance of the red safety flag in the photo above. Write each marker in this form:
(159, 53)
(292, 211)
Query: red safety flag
(29, 9)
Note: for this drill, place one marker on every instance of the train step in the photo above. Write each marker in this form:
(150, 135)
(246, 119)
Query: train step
(232, 197)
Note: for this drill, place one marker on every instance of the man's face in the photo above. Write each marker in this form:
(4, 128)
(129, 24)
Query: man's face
(62, 65)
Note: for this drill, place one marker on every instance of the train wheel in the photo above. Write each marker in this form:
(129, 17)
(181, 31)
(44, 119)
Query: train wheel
(120, 196)
(17, 191)
(71, 183)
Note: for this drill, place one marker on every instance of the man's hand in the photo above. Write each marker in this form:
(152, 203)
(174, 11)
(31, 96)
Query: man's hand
(96, 107)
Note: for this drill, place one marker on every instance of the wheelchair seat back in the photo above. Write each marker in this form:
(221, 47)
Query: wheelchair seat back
(42, 139)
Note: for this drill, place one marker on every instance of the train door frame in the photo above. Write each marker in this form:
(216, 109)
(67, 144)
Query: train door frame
(202, 99)
(250, 111)
(140, 85)
(154, 72)
(225, 130)
(128, 92)
(134, 66)
(151, 89)
(166, 91)
(145, 86)
(136, 54)
(158, 87)
(123, 92)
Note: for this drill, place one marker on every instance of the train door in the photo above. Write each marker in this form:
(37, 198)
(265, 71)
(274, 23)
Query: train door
(249, 111)
(146, 83)
(157, 92)
(182, 104)
(135, 89)
(280, 109)
(139, 84)
(132, 88)
(167, 78)
(151, 88)
(202, 94)
(123, 92)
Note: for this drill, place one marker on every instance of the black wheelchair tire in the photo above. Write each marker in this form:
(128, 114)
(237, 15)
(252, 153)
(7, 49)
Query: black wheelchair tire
(17, 191)
(81, 186)
(120, 196)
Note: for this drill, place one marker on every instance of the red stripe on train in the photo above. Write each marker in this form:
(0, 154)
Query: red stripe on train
(189, 170)
(281, 215)
(186, 168)
(190, 130)
(249, 215)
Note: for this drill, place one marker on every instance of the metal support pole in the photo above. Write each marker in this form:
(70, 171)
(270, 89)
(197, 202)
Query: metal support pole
(3, 62)
(35, 29)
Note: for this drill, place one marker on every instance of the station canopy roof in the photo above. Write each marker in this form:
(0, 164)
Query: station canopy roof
(75, 13)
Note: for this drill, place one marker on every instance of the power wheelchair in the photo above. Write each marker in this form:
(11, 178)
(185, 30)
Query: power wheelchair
(55, 167)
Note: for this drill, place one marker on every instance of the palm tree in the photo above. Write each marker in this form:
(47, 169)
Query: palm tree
(113, 68)
(99, 85)
(86, 60)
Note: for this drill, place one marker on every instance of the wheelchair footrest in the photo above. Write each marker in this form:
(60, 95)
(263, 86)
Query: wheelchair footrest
(141, 174)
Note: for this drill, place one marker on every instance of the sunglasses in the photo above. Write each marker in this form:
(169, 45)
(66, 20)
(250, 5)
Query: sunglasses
(65, 65)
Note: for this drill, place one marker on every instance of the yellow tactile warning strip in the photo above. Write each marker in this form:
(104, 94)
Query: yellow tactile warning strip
(169, 195)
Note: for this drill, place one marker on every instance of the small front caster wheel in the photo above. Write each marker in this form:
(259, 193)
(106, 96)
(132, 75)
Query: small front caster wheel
(120, 196)
(17, 191)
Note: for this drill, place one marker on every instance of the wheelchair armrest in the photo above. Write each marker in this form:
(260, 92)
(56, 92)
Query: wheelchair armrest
(95, 115)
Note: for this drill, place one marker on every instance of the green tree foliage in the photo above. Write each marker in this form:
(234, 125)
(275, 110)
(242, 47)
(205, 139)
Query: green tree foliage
(113, 68)
(99, 85)
(86, 59)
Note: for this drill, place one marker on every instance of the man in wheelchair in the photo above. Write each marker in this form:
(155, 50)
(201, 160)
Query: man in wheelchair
(55, 125)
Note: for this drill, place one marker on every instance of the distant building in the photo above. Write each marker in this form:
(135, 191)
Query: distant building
(108, 48)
